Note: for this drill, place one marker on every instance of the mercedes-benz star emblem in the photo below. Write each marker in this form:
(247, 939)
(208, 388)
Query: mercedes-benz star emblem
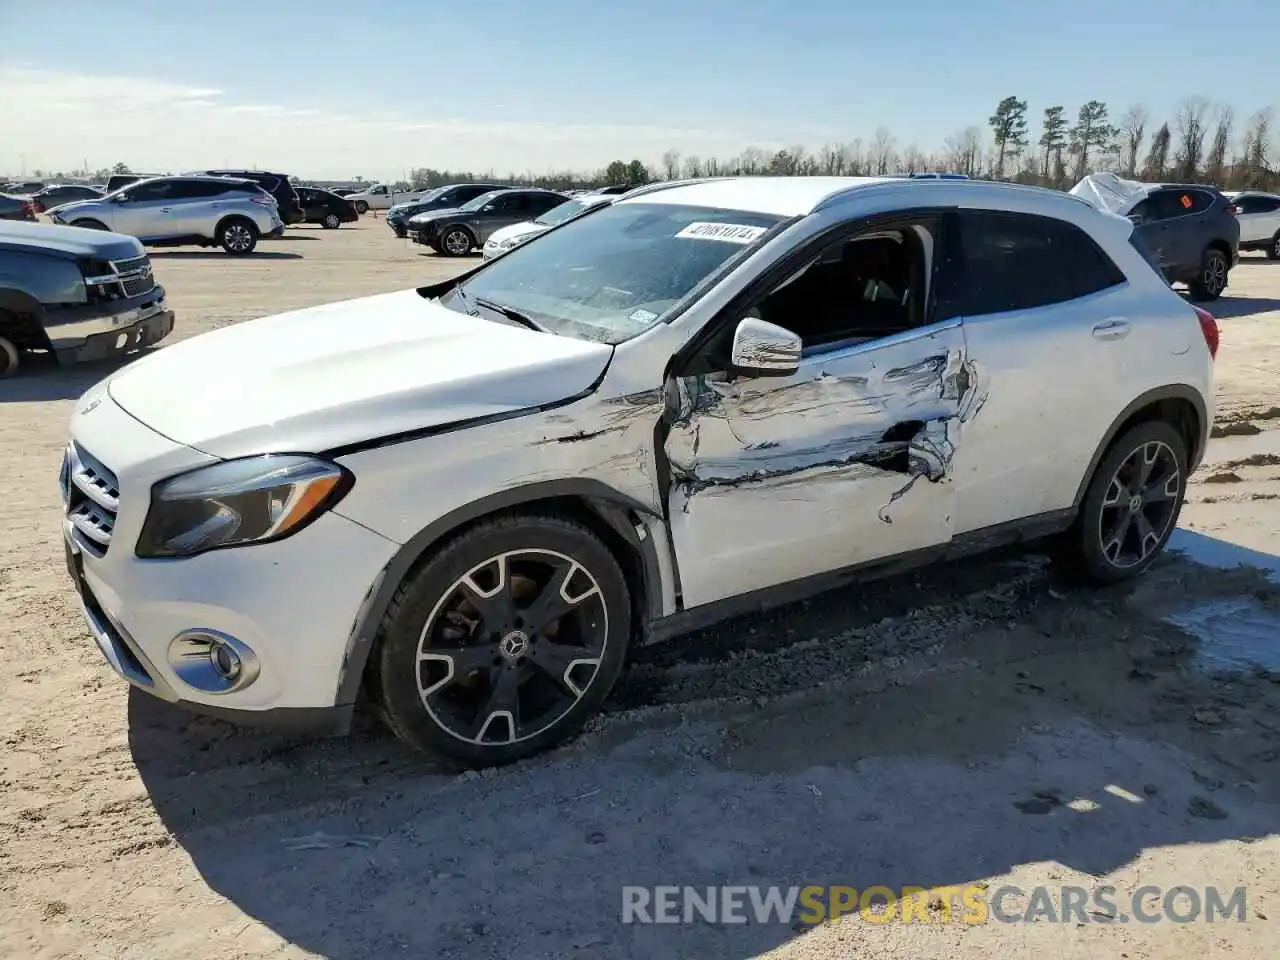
(514, 644)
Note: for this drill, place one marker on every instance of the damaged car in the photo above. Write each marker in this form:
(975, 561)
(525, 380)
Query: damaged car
(1190, 230)
(707, 397)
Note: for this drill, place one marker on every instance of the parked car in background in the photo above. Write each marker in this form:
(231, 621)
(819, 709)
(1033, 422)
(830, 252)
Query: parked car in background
(455, 233)
(615, 188)
(53, 195)
(16, 208)
(343, 191)
(381, 196)
(539, 465)
(23, 188)
(441, 198)
(510, 237)
(177, 211)
(78, 294)
(1259, 216)
(325, 208)
(1190, 230)
(276, 184)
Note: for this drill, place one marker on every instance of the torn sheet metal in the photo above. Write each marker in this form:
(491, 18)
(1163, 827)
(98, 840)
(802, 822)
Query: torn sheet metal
(846, 462)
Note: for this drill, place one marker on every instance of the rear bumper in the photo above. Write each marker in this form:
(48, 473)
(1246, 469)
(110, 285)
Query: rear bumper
(275, 231)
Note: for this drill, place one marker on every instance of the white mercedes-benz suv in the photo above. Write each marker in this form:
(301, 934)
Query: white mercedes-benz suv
(472, 499)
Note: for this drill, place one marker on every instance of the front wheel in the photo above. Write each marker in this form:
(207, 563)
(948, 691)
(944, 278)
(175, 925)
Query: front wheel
(505, 642)
(331, 221)
(1213, 276)
(89, 224)
(1273, 251)
(456, 242)
(238, 236)
(1131, 506)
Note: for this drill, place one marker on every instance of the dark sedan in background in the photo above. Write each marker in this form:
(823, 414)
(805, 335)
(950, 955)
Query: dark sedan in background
(327, 209)
(455, 233)
(54, 195)
(16, 208)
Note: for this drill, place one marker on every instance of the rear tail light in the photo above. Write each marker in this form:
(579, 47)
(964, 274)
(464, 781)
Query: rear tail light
(264, 200)
(1233, 210)
(1209, 328)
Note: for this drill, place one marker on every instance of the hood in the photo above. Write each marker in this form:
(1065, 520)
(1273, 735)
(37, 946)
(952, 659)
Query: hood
(72, 243)
(344, 373)
(526, 229)
(429, 215)
(1111, 193)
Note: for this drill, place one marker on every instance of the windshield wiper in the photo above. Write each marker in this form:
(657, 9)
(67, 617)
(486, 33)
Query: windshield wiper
(509, 312)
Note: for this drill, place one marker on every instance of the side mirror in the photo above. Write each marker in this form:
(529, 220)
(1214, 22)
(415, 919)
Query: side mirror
(120, 198)
(763, 349)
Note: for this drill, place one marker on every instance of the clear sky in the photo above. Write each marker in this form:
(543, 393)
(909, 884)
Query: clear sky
(327, 90)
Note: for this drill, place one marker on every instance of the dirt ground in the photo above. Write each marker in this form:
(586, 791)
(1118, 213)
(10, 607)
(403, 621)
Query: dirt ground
(974, 723)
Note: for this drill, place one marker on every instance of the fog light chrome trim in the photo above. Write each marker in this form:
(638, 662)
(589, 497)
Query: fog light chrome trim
(213, 662)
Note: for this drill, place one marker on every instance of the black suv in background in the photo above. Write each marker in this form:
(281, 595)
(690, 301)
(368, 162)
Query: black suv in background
(442, 198)
(1193, 233)
(276, 184)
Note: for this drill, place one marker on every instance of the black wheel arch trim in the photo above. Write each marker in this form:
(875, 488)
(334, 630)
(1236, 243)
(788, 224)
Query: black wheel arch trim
(1178, 391)
(609, 506)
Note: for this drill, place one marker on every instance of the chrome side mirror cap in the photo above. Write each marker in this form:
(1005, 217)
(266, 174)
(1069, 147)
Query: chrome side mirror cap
(762, 349)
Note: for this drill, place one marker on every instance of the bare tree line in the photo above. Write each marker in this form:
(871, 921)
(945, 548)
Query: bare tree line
(1201, 143)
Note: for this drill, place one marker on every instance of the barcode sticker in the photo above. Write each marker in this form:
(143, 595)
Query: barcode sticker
(725, 232)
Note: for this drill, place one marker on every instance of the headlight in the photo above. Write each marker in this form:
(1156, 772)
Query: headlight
(239, 502)
(510, 242)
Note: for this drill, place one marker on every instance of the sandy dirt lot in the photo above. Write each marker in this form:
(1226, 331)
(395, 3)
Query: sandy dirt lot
(975, 723)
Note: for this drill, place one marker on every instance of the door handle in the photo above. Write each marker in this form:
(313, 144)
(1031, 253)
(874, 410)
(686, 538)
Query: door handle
(164, 210)
(1113, 329)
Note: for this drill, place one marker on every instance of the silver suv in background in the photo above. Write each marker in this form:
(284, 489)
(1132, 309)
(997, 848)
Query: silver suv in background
(176, 211)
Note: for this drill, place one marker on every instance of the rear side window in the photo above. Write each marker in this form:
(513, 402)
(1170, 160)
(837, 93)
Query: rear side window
(1258, 204)
(1015, 261)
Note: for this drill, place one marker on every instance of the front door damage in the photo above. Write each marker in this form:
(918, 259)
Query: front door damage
(846, 462)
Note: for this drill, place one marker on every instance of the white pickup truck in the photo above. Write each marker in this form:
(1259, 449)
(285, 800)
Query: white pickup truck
(381, 196)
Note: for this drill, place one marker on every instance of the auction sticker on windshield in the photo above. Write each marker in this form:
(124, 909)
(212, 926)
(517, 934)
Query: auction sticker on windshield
(727, 232)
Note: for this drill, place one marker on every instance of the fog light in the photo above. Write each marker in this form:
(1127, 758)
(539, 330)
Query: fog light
(213, 662)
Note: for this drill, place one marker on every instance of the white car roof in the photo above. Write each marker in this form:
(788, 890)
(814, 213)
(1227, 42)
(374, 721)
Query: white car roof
(777, 196)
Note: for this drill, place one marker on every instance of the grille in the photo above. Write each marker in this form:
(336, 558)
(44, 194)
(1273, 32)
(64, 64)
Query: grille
(137, 286)
(128, 266)
(92, 496)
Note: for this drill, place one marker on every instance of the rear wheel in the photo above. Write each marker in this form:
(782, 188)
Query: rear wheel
(8, 358)
(361, 207)
(1273, 251)
(1131, 506)
(237, 236)
(505, 642)
(1213, 275)
(331, 221)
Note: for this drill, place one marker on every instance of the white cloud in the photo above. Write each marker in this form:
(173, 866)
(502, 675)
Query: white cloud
(55, 120)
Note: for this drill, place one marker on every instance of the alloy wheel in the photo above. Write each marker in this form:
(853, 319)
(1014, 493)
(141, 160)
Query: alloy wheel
(238, 238)
(1215, 273)
(457, 242)
(1140, 504)
(331, 221)
(512, 646)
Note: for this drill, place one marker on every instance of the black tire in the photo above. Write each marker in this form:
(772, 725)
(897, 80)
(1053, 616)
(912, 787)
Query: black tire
(1212, 278)
(361, 207)
(424, 700)
(458, 236)
(331, 221)
(1089, 550)
(88, 224)
(238, 236)
(1273, 251)
(9, 358)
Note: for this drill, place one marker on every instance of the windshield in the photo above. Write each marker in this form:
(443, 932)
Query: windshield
(481, 200)
(614, 274)
(561, 213)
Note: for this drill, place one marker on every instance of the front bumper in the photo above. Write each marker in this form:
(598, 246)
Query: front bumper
(292, 604)
(98, 330)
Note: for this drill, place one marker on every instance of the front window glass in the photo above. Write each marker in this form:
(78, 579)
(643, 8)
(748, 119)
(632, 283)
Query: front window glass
(481, 200)
(614, 274)
(561, 213)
